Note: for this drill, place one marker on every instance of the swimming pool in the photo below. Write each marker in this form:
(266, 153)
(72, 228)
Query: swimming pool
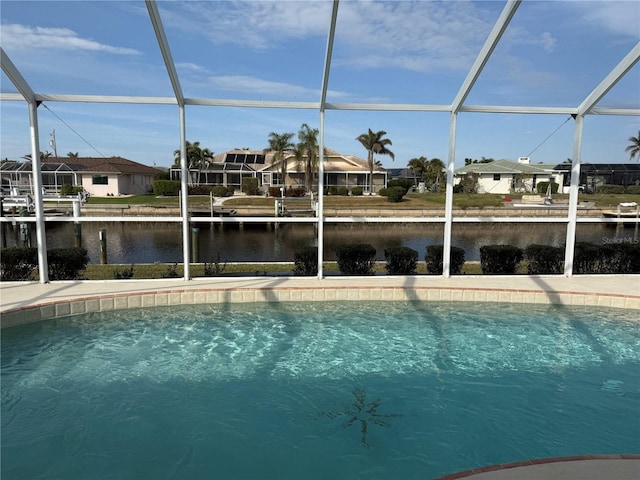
(316, 390)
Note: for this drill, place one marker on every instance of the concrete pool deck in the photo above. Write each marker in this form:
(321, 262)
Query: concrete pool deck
(27, 302)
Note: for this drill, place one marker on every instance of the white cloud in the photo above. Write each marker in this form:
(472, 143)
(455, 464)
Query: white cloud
(618, 17)
(419, 36)
(22, 37)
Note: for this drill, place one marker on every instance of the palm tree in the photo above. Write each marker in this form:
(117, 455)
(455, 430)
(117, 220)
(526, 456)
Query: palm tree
(196, 157)
(634, 148)
(418, 165)
(308, 149)
(278, 144)
(374, 143)
(72, 154)
(435, 167)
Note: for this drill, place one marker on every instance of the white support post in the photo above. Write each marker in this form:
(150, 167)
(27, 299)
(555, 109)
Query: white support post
(573, 197)
(320, 211)
(184, 196)
(41, 237)
(448, 209)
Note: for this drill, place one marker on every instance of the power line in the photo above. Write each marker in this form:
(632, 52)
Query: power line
(552, 134)
(71, 128)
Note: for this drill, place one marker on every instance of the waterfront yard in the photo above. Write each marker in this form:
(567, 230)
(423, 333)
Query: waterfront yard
(416, 200)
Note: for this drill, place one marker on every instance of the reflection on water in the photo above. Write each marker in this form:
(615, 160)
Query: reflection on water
(129, 242)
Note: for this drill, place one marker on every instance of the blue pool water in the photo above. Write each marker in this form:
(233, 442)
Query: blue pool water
(316, 390)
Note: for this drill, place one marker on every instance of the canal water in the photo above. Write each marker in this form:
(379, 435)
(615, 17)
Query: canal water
(129, 242)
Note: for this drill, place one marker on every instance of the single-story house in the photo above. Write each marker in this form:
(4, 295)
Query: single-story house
(505, 176)
(98, 176)
(230, 167)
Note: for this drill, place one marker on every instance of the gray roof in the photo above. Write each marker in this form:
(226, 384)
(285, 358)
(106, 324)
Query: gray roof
(506, 166)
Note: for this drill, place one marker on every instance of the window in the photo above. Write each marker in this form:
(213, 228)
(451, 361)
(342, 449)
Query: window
(496, 177)
(100, 180)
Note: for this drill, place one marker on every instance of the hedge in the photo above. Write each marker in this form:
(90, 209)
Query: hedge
(500, 259)
(250, 186)
(306, 261)
(542, 187)
(166, 188)
(356, 259)
(433, 259)
(544, 259)
(18, 263)
(401, 260)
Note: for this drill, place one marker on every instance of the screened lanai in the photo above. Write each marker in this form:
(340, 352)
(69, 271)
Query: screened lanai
(448, 80)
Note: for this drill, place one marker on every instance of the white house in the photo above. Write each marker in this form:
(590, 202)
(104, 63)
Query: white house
(505, 176)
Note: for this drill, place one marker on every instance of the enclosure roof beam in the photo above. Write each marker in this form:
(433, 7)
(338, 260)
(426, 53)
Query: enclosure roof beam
(154, 15)
(327, 57)
(485, 53)
(610, 80)
(16, 77)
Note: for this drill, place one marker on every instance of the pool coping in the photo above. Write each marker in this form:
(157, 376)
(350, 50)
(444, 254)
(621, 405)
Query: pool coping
(584, 467)
(28, 302)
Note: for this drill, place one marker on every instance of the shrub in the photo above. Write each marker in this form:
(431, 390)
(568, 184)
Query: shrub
(343, 191)
(541, 187)
(67, 263)
(18, 263)
(166, 188)
(544, 259)
(333, 190)
(469, 183)
(120, 274)
(215, 267)
(250, 186)
(306, 261)
(356, 259)
(383, 192)
(274, 191)
(433, 259)
(199, 189)
(500, 259)
(458, 188)
(220, 191)
(356, 191)
(395, 194)
(230, 191)
(401, 260)
(610, 189)
(172, 271)
(633, 189)
(609, 258)
(405, 183)
(294, 192)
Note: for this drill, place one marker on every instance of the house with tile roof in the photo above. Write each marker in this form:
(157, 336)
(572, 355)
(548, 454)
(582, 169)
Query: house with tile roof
(230, 167)
(505, 176)
(98, 176)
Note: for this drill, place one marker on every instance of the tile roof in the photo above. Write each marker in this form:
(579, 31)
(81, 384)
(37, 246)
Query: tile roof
(506, 166)
(103, 165)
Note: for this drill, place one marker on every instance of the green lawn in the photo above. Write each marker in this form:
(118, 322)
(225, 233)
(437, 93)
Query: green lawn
(160, 270)
(416, 200)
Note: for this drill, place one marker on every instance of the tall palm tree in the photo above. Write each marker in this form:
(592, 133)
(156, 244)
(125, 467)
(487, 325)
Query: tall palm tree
(374, 143)
(634, 148)
(278, 144)
(197, 158)
(419, 166)
(435, 167)
(308, 149)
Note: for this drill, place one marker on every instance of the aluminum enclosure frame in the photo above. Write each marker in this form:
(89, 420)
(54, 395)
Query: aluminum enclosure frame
(587, 107)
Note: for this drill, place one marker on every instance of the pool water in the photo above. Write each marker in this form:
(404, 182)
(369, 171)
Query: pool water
(373, 390)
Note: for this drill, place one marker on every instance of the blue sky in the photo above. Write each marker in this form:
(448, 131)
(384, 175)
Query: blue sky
(553, 54)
